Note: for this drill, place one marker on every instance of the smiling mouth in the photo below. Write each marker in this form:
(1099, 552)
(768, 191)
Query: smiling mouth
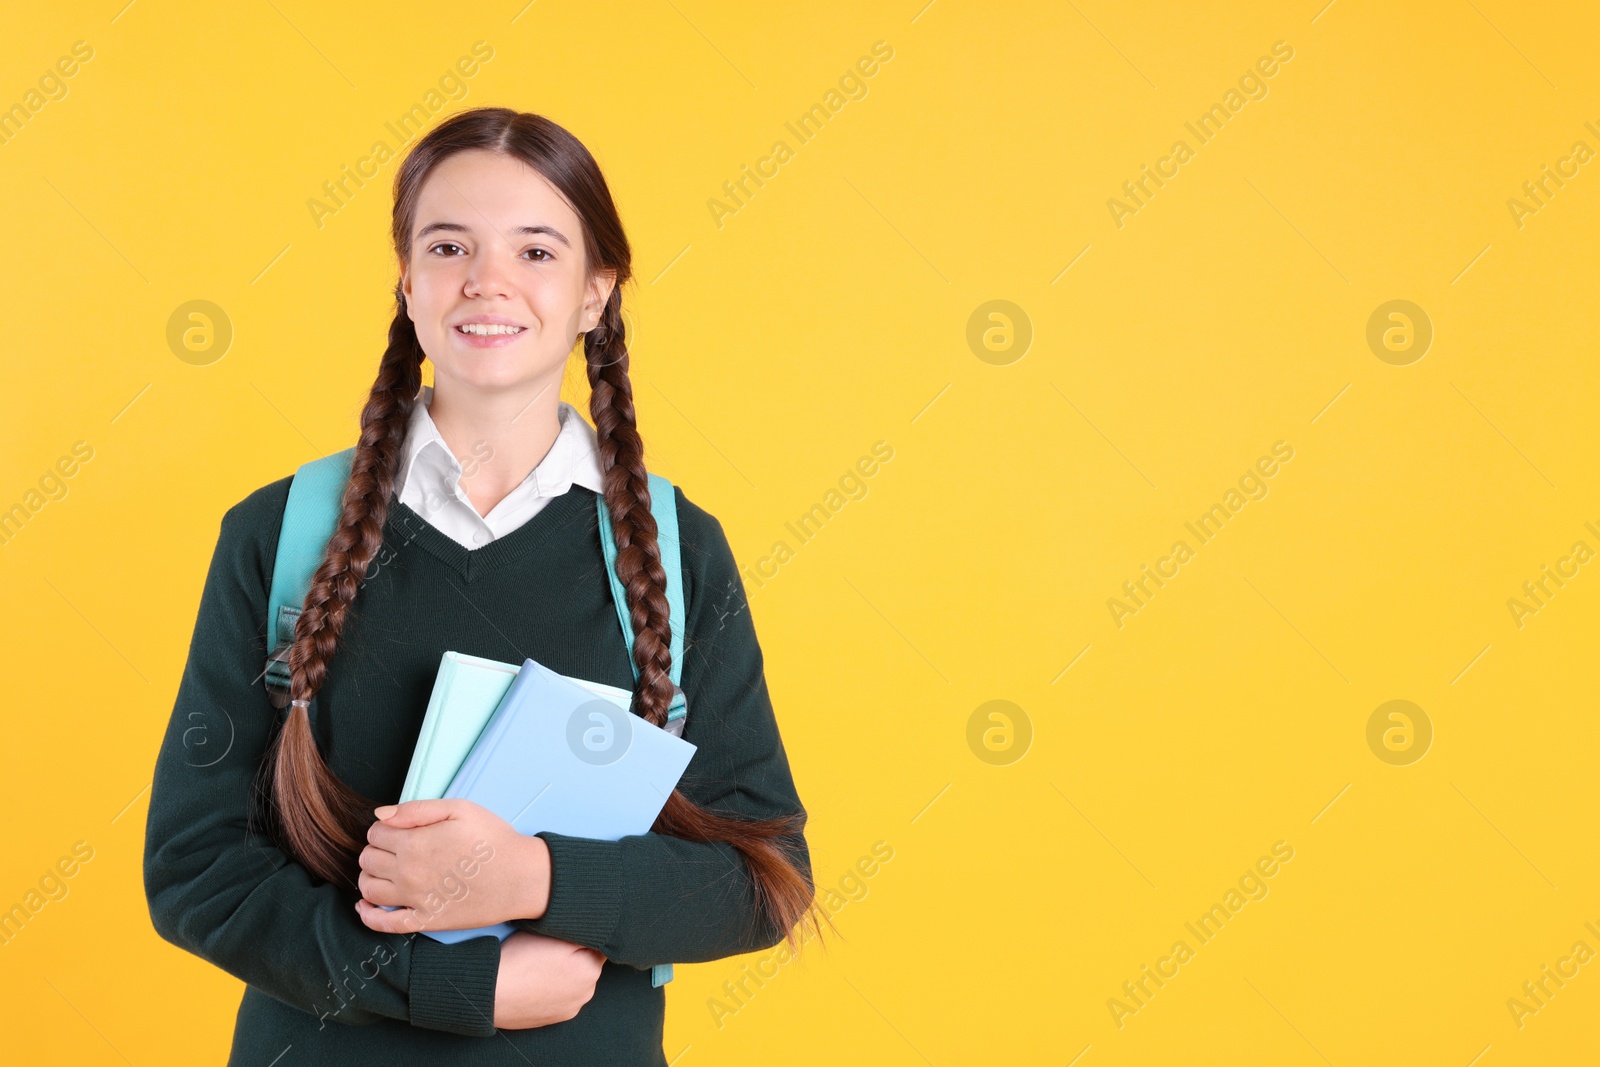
(488, 329)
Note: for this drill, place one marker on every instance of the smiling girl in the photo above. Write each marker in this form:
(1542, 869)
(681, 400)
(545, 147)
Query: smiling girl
(271, 861)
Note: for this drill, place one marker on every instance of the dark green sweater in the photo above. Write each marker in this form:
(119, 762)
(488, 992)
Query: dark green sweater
(321, 983)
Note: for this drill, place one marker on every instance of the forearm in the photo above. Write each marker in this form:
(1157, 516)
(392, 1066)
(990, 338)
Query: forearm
(652, 898)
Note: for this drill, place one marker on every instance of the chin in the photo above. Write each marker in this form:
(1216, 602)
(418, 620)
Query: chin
(490, 371)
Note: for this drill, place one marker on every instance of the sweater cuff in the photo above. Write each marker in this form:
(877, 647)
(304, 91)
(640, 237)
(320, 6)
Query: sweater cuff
(452, 986)
(585, 891)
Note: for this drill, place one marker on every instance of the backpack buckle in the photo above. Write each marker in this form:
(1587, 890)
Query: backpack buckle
(278, 695)
(677, 714)
(277, 674)
(277, 668)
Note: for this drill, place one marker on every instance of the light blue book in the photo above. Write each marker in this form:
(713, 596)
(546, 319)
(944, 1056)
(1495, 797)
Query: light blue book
(556, 753)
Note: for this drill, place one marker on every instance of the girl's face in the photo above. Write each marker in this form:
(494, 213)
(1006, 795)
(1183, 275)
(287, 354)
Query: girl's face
(494, 242)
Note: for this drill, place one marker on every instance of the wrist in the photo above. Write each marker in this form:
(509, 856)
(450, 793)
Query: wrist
(533, 879)
(586, 907)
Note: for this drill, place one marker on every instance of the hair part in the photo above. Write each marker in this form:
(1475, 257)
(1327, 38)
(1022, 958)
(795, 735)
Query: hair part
(320, 821)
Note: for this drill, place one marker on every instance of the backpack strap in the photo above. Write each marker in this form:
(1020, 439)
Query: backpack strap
(664, 506)
(316, 498)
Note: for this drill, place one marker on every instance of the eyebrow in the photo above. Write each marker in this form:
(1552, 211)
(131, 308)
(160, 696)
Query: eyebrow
(456, 227)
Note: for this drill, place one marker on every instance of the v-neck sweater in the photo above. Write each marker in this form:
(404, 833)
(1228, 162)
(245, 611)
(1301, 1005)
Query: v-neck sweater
(323, 986)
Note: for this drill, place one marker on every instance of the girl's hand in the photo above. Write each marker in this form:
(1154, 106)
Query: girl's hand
(449, 865)
(542, 980)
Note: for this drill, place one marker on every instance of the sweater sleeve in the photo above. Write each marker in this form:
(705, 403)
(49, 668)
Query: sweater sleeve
(653, 898)
(221, 890)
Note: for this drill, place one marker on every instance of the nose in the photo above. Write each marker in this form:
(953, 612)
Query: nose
(487, 277)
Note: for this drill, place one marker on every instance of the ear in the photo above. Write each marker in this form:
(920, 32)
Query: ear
(599, 292)
(405, 287)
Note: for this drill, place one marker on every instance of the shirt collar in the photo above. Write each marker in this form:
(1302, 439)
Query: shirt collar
(573, 459)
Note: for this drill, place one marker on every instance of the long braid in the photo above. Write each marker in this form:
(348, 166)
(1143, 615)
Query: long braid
(783, 894)
(323, 821)
(627, 492)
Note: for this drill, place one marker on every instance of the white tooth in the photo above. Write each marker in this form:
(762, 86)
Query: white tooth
(486, 329)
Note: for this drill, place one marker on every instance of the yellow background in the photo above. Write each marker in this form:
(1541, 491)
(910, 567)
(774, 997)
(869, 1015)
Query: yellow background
(831, 312)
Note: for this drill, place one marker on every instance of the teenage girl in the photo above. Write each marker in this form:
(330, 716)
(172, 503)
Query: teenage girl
(273, 850)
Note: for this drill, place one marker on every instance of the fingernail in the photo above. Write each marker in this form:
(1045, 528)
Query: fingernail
(385, 811)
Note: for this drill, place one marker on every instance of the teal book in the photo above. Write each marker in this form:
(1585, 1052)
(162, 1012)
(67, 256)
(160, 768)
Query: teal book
(465, 694)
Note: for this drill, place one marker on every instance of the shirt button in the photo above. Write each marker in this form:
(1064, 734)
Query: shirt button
(481, 537)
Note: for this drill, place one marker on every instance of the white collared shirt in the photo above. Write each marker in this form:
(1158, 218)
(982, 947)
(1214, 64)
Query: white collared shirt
(429, 481)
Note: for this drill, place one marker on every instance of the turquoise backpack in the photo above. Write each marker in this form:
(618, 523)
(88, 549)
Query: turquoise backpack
(316, 497)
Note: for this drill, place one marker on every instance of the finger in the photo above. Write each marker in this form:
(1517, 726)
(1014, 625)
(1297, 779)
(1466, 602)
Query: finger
(378, 862)
(416, 812)
(378, 890)
(400, 921)
(385, 836)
